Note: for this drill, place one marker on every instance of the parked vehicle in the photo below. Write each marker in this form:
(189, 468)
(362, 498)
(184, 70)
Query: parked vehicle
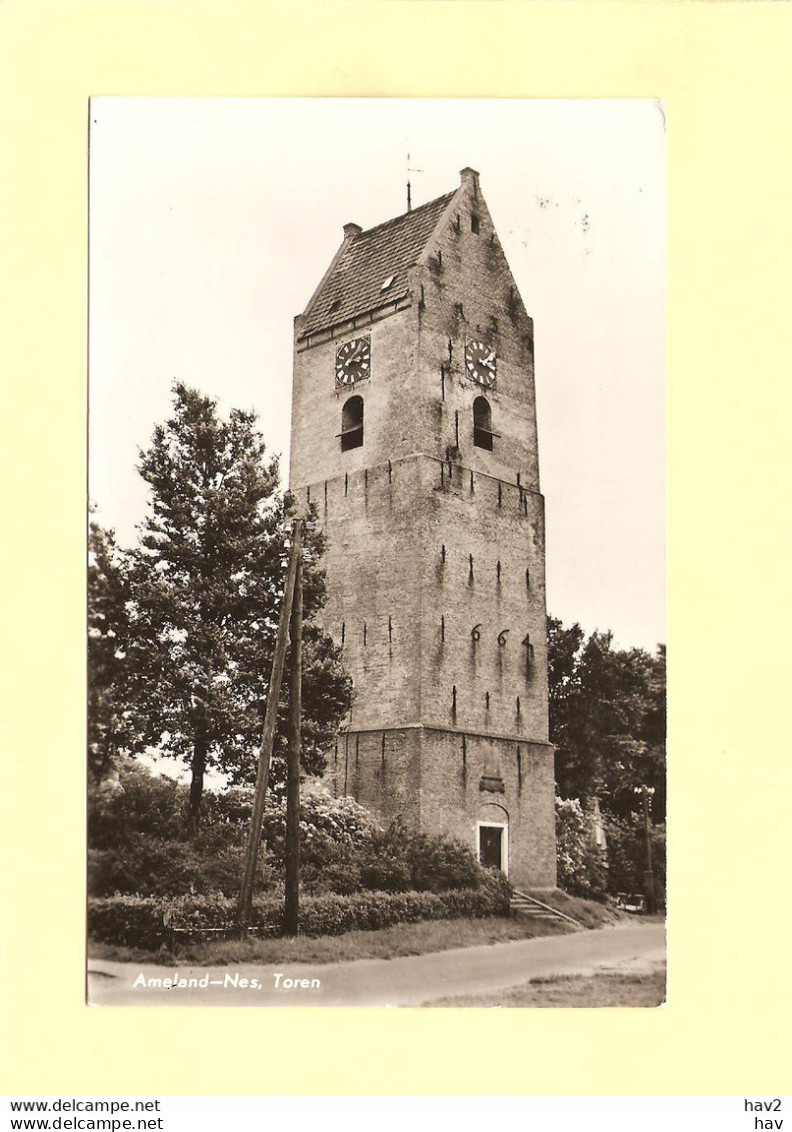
(631, 901)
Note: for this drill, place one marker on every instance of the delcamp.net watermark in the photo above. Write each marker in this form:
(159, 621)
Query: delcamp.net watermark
(90, 1115)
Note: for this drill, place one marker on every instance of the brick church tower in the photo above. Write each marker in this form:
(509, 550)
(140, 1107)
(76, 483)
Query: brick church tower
(414, 434)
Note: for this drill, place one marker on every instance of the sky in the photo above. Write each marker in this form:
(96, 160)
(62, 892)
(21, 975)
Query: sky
(213, 220)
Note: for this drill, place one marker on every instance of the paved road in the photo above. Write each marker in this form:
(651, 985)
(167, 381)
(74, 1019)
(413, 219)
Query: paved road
(415, 980)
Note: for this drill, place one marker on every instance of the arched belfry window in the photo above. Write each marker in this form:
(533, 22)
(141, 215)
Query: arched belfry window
(352, 424)
(482, 424)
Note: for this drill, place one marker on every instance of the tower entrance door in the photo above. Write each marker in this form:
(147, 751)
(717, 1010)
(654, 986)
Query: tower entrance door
(491, 852)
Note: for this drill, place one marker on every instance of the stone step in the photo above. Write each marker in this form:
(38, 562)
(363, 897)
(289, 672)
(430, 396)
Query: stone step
(522, 904)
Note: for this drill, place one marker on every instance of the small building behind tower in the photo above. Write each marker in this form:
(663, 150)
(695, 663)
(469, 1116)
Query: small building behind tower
(414, 434)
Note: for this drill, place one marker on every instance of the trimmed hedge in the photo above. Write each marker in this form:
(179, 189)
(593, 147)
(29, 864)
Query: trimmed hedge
(149, 921)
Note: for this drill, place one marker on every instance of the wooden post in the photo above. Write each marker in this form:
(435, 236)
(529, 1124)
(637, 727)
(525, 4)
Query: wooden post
(649, 885)
(268, 735)
(291, 910)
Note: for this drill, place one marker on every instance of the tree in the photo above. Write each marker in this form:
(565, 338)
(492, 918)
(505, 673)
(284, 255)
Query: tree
(110, 725)
(563, 649)
(205, 585)
(607, 719)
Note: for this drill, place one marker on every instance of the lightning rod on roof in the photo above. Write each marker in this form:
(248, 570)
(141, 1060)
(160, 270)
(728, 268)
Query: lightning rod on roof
(409, 171)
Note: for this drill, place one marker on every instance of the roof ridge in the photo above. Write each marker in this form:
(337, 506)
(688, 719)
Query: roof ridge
(403, 215)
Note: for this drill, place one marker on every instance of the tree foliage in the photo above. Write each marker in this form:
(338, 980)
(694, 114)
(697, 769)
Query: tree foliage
(607, 719)
(110, 726)
(202, 594)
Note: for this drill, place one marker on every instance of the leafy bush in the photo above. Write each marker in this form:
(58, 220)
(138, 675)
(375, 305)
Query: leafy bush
(582, 868)
(341, 878)
(387, 867)
(156, 867)
(135, 801)
(140, 844)
(136, 921)
(401, 861)
(440, 863)
(327, 825)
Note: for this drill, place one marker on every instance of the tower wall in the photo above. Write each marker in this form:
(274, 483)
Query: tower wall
(455, 767)
(406, 752)
(412, 566)
(432, 780)
(393, 426)
(435, 551)
(467, 291)
(381, 769)
(472, 524)
(372, 522)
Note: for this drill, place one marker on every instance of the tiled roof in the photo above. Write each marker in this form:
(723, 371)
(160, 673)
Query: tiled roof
(355, 284)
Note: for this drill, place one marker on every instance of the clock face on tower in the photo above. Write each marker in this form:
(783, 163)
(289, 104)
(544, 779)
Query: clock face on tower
(353, 361)
(480, 362)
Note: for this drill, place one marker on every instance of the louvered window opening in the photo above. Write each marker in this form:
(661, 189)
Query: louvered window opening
(482, 424)
(352, 424)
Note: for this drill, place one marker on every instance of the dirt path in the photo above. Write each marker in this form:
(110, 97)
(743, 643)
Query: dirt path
(409, 981)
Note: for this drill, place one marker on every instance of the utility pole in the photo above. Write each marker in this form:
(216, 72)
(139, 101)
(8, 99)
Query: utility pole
(268, 734)
(291, 910)
(649, 886)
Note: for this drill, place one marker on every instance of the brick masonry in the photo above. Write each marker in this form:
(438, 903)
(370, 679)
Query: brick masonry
(435, 560)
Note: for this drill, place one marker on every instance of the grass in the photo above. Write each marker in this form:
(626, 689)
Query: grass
(388, 943)
(602, 988)
(401, 939)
